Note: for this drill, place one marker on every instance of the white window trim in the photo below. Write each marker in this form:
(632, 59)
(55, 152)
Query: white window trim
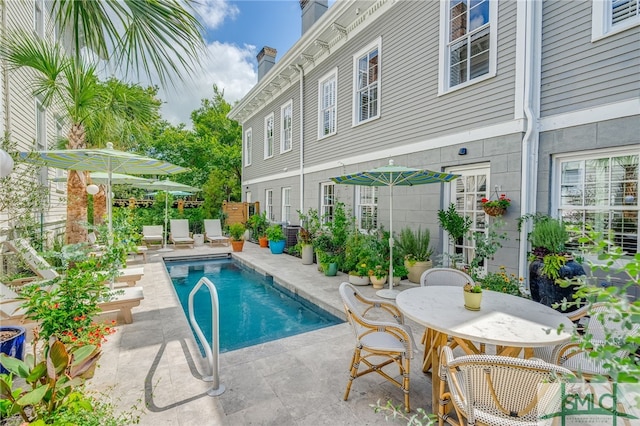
(443, 57)
(284, 206)
(268, 203)
(288, 104)
(38, 21)
(266, 136)
(323, 187)
(333, 74)
(358, 210)
(248, 146)
(375, 44)
(601, 21)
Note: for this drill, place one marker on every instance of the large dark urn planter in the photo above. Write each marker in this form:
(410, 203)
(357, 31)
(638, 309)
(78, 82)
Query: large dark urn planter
(12, 343)
(545, 291)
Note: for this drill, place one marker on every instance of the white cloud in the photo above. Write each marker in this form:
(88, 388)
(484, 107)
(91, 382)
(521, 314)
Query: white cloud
(214, 12)
(230, 67)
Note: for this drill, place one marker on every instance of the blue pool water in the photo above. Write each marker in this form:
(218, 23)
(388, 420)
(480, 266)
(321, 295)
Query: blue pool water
(253, 309)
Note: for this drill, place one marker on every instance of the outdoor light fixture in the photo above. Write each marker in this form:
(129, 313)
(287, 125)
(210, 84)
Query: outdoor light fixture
(92, 189)
(6, 164)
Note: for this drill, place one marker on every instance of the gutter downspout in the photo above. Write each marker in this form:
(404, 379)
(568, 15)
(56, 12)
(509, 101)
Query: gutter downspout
(300, 69)
(530, 141)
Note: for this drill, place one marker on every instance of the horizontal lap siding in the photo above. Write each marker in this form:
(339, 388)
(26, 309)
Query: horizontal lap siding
(411, 109)
(578, 73)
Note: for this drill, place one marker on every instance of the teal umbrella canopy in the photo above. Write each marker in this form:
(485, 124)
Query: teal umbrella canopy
(392, 175)
(101, 178)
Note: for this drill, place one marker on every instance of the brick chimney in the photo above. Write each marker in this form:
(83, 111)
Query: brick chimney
(312, 10)
(266, 60)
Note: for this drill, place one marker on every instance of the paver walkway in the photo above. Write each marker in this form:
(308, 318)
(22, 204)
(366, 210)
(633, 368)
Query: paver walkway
(155, 364)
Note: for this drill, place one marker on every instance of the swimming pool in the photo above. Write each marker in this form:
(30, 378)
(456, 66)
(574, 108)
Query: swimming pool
(253, 309)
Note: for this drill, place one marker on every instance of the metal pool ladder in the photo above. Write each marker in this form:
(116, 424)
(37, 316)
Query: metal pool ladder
(211, 351)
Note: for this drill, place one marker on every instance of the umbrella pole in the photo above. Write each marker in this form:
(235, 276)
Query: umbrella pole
(390, 293)
(166, 212)
(109, 204)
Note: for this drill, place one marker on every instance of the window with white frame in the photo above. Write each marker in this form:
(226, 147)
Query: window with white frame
(468, 42)
(268, 204)
(247, 196)
(248, 146)
(41, 137)
(286, 127)
(367, 207)
(612, 16)
(60, 174)
(366, 66)
(466, 193)
(268, 136)
(286, 205)
(327, 201)
(599, 191)
(38, 17)
(327, 108)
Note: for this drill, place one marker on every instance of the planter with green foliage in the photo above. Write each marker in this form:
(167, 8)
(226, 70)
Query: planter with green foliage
(236, 233)
(414, 246)
(456, 226)
(259, 224)
(275, 234)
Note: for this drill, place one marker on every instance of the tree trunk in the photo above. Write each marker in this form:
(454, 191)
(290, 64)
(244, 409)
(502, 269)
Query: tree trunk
(76, 192)
(100, 206)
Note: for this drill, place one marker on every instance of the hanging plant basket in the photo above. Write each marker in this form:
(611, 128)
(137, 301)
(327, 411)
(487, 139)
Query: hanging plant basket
(494, 210)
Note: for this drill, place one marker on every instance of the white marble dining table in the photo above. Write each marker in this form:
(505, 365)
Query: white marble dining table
(512, 324)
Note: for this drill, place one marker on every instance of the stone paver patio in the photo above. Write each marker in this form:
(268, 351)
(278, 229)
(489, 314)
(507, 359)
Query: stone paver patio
(155, 364)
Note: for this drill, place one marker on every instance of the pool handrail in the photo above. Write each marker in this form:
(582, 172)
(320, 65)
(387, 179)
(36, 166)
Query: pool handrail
(212, 351)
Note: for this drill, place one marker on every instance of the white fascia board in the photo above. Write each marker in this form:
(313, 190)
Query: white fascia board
(591, 115)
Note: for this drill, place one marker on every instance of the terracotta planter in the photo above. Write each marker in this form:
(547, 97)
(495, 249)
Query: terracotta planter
(237, 245)
(378, 282)
(472, 300)
(358, 280)
(264, 242)
(416, 270)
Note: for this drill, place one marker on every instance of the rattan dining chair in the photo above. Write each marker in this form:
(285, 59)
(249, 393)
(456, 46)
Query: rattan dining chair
(601, 321)
(499, 391)
(391, 341)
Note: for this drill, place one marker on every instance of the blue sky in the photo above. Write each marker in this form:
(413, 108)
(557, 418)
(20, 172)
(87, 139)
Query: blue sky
(236, 31)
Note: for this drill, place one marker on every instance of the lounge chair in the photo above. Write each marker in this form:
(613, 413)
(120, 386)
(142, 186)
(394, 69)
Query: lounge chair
(180, 232)
(152, 234)
(213, 232)
(123, 300)
(44, 270)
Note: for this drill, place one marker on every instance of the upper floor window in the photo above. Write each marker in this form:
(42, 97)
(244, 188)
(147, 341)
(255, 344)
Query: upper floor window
(327, 201)
(38, 17)
(366, 101)
(600, 191)
(468, 42)
(613, 16)
(268, 136)
(268, 204)
(286, 127)
(286, 205)
(248, 146)
(367, 207)
(327, 109)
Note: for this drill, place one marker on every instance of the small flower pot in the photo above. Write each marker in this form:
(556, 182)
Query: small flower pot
(378, 282)
(472, 300)
(264, 242)
(358, 280)
(237, 245)
(330, 269)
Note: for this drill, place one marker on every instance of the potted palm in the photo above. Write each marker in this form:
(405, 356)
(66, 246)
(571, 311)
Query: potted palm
(259, 224)
(275, 234)
(415, 249)
(236, 233)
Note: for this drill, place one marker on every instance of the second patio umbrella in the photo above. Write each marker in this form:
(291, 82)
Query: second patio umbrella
(168, 186)
(392, 175)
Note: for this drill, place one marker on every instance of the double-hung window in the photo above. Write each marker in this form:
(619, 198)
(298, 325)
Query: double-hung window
(327, 108)
(366, 101)
(248, 146)
(268, 204)
(599, 191)
(327, 201)
(612, 16)
(286, 205)
(468, 42)
(367, 207)
(286, 124)
(268, 136)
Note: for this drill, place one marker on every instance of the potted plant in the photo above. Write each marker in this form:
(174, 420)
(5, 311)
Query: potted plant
(306, 247)
(328, 263)
(236, 233)
(416, 252)
(399, 271)
(456, 226)
(378, 276)
(472, 296)
(496, 207)
(359, 275)
(310, 227)
(11, 343)
(275, 234)
(259, 224)
(551, 264)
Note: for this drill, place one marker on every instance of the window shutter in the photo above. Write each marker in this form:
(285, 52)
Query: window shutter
(623, 9)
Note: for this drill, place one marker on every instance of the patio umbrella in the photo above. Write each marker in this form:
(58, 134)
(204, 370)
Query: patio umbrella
(116, 179)
(171, 187)
(392, 175)
(108, 160)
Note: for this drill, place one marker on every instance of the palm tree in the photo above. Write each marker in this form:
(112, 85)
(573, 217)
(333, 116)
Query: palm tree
(97, 110)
